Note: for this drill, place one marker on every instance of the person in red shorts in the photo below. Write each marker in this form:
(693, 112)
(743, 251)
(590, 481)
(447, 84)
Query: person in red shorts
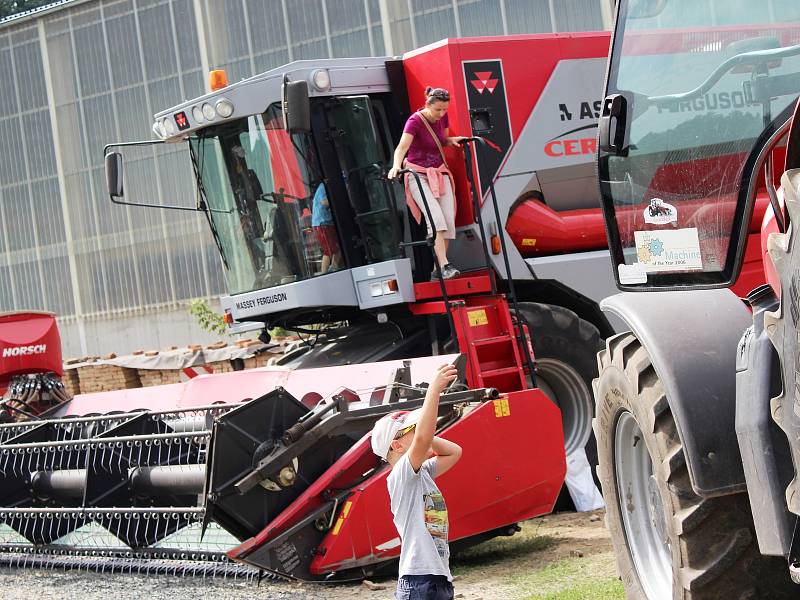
(325, 230)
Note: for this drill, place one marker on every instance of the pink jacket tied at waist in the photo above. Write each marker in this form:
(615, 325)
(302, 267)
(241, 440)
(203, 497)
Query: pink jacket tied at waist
(435, 176)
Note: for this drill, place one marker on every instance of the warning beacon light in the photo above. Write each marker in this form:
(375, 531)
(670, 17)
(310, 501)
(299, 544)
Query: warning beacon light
(217, 79)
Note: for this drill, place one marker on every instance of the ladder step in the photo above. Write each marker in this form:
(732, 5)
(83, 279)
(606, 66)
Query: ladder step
(500, 339)
(499, 372)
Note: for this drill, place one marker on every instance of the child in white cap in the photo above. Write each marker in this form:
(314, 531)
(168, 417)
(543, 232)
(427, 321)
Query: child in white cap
(406, 440)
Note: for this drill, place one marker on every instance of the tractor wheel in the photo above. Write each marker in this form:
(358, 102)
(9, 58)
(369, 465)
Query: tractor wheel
(670, 543)
(566, 349)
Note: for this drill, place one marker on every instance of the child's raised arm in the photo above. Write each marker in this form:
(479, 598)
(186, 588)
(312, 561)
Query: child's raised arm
(426, 427)
(447, 454)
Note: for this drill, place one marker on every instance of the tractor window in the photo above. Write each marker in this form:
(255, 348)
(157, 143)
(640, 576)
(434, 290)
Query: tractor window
(268, 202)
(701, 85)
(361, 149)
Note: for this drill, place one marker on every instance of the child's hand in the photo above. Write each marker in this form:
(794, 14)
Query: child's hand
(445, 375)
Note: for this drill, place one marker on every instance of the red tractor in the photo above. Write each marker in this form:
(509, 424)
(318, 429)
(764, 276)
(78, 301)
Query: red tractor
(697, 406)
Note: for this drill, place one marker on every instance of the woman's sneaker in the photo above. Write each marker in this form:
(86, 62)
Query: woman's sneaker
(449, 271)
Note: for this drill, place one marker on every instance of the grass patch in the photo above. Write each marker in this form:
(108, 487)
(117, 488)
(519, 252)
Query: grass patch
(610, 589)
(501, 548)
(568, 579)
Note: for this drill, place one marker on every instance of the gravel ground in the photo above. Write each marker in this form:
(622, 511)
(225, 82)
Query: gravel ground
(46, 585)
(577, 551)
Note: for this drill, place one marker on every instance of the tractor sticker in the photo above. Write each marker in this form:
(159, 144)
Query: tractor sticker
(501, 408)
(631, 274)
(659, 212)
(675, 250)
(287, 556)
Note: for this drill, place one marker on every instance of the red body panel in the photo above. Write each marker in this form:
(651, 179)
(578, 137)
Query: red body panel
(472, 283)
(29, 343)
(537, 229)
(752, 274)
(495, 484)
(528, 62)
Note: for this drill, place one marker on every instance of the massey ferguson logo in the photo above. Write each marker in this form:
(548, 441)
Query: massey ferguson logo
(484, 81)
(24, 350)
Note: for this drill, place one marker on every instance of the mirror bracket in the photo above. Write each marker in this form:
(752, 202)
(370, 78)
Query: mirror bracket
(115, 176)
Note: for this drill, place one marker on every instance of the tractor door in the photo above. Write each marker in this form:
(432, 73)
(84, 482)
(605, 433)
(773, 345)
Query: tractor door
(363, 148)
(695, 94)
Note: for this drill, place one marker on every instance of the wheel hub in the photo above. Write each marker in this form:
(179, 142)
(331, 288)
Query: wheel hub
(656, 507)
(565, 386)
(642, 510)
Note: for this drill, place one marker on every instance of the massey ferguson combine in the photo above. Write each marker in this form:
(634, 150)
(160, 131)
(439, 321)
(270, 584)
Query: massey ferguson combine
(698, 405)
(272, 468)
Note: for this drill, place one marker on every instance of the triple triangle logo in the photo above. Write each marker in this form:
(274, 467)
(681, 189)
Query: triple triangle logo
(484, 81)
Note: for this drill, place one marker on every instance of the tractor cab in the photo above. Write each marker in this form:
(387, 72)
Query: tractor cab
(697, 106)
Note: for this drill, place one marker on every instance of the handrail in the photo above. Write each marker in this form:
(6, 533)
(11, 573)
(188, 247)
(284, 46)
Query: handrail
(476, 207)
(431, 240)
(512, 294)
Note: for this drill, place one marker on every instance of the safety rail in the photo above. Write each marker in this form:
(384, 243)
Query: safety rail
(512, 294)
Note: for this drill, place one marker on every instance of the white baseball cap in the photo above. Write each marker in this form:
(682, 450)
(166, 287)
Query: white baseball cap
(387, 427)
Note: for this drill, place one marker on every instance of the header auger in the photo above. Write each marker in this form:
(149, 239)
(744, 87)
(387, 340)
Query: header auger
(292, 492)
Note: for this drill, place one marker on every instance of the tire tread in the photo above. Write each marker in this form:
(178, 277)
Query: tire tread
(717, 554)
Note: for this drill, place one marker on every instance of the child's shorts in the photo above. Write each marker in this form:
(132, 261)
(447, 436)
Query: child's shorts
(326, 236)
(424, 587)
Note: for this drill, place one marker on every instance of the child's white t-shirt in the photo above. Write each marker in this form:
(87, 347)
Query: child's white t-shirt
(420, 515)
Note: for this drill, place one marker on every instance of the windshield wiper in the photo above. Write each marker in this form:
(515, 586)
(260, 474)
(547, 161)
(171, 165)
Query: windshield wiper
(202, 203)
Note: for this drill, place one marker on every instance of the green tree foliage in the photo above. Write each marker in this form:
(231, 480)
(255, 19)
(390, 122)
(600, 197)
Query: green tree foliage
(12, 7)
(207, 318)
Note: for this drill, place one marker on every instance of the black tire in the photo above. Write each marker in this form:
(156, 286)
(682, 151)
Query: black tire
(711, 550)
(562, 339)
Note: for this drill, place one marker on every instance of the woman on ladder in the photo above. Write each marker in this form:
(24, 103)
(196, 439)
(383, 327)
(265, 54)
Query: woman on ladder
(424, 135)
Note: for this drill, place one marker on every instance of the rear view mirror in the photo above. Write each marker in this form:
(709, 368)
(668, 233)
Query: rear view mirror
(114, 174)
(296, 107)
(138, 152)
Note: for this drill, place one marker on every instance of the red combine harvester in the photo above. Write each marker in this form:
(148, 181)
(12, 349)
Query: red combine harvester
(30, 365)
(273, 466)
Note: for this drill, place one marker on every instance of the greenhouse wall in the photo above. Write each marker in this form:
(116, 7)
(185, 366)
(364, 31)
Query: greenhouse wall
(84, 73)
